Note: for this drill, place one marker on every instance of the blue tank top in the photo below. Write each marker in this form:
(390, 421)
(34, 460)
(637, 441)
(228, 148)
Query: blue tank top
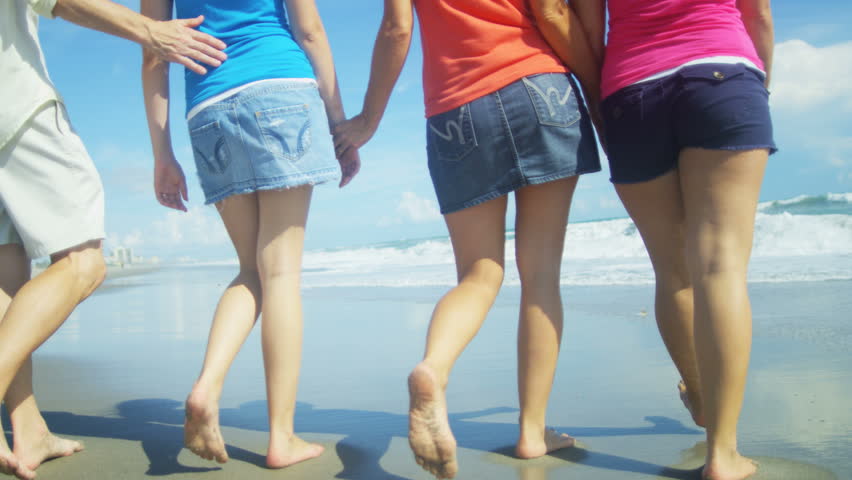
(260, 45)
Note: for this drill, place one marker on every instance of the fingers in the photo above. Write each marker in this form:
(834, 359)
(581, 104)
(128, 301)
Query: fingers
(212, 42)
(188, 63)
(171, 200)
(193, 22)
(184, 193)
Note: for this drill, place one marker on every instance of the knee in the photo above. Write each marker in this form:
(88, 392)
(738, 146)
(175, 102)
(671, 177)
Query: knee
(484, 273)
(88, 268)
(282, 271)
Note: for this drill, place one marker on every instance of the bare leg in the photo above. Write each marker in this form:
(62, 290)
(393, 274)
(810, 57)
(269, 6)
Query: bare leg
(720, 191)
(541, 219)
(283, 214)
(478, 237)
(33, 441)
(36, 310)
(235, 316)
(656, 207)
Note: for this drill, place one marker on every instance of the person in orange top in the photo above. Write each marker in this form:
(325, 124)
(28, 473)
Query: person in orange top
(503, 115)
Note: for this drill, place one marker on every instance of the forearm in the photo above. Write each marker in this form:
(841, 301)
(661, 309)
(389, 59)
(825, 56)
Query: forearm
(563, 31)
(389, 54)
(316, 47)
(155, 86)
(106, 16)
(758, 24)
(592, 15)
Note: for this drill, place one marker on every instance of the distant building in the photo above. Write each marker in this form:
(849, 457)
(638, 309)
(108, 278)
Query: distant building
(122, 256)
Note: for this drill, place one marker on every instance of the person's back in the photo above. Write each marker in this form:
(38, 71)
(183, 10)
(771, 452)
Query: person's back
(260, 45)
(646, 38)
(474, 48)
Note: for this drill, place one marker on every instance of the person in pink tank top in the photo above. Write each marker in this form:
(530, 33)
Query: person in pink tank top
(503, 116)
(688, 133)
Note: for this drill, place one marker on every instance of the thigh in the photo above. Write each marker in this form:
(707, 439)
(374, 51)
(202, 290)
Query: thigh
(541, 217)
(49, 187)
(478, 236)
(281, 229)
(656, 208)
(240, 214)
(720, 192)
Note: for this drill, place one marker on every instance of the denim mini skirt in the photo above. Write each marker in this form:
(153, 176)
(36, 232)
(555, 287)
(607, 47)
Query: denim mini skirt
(532, 131)
(268, 136)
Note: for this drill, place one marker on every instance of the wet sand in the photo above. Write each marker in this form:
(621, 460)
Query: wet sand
(115, 377)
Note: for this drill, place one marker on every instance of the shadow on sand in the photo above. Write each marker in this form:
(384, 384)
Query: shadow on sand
(158, 425)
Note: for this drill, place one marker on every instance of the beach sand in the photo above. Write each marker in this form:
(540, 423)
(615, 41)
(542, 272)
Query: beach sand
(115, 377)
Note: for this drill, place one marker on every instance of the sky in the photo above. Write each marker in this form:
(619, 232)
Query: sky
(392, 198)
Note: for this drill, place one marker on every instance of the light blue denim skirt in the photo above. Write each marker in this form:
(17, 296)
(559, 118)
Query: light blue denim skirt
(532, 131)
(269, 136)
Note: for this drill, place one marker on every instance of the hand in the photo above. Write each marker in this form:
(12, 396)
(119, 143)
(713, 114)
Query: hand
(170, 184)
(352, 134)
(178, 41)
(350, 164)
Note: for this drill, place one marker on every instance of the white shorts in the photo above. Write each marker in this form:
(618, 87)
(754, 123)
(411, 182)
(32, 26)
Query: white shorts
(51, 197)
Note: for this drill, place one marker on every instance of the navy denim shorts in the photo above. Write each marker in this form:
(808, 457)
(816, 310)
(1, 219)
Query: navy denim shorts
(532, 131)
(711, 106)
(270, 136)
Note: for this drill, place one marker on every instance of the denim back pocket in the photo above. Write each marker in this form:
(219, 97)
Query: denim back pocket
(210, 148)
(286, 131)
(553, 98)
(451, 135)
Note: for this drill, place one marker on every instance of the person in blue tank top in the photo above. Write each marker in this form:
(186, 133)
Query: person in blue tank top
(260, 131)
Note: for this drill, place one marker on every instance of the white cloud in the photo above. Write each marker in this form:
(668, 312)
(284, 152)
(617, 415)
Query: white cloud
(198, 226)
(412, 209)
(805, 77)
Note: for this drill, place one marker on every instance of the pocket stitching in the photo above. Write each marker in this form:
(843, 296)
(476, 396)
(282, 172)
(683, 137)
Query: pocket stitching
(464, 120)
(538, 96)
(303, 138)
(219, 163)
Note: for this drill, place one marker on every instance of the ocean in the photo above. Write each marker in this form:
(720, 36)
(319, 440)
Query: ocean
(803, 239)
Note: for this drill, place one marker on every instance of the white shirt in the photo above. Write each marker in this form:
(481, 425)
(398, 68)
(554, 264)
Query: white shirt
(24, 83)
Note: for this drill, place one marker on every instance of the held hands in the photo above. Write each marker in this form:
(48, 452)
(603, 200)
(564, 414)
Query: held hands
(352, 134)
(350, 164)
(170, 183)
(349, 136)
(178, 41)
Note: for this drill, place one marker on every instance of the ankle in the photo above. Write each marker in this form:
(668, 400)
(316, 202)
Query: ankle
(531, 430)
(440, 373)
(28, 427)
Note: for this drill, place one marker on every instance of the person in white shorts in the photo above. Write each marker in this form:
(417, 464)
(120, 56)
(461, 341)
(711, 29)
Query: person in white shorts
(51, 199)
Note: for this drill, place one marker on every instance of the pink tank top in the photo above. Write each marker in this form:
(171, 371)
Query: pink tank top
(649, 37)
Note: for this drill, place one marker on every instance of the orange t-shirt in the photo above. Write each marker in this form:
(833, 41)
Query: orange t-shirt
(474, 47)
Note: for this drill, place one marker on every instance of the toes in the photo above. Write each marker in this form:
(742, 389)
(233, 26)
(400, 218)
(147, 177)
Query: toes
(24, 473)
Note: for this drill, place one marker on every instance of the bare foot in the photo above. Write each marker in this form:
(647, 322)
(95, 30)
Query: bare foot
(728, 467)
(33, 452)
(429, 431)
(552, 441)
(697, 415)
(9, 463)
(291, 451)
(201, 433)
